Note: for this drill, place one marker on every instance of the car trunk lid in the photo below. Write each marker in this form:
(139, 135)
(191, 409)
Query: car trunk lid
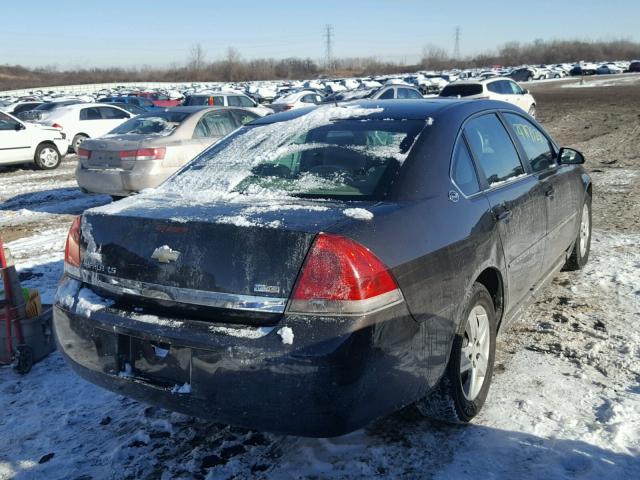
(228, 262)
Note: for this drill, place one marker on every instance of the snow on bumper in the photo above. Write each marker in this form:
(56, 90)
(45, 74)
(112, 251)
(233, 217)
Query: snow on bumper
(331, 378)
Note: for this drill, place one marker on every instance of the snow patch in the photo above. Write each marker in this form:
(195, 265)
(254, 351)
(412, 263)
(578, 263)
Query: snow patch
(358, 213)
(88, 302)
(286, 334)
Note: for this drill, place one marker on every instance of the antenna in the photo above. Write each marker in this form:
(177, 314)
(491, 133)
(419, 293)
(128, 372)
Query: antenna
(328, 35)
(456, 48)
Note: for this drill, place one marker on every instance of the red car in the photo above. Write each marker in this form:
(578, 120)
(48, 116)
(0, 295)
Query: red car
(160, 99)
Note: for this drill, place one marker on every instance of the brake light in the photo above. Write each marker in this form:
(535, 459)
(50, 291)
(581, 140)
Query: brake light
(84, 154)
(342, 277)
(287, 107)
(143, 154)
(57, 125)
(72, 250)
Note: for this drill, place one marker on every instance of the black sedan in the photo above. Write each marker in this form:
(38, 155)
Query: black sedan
(323, 267)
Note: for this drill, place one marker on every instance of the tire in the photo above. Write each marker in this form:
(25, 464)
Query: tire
(582, 246)
(77, 141)
(532, 111)
(454, 399)
(115, 198)
(24, 359)
(47, 156)
(529, 78)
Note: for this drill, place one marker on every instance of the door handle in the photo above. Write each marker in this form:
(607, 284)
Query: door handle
(502, 213)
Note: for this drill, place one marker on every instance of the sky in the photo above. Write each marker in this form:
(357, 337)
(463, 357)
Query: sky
(74, 33)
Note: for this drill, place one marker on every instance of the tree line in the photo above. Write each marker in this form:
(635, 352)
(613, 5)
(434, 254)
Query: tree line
(233, 68)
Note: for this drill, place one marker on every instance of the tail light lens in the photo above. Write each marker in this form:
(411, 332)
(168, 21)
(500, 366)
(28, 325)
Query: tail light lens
(144, 154)
(287, 107)
(84, 154)
(72, 250)
(57, 125)
(342, 277)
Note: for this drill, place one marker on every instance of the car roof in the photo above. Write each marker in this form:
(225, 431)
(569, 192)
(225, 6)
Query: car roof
(405, 109)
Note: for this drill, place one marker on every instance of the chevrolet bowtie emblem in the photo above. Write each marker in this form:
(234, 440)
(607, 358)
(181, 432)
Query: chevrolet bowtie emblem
(164, 254)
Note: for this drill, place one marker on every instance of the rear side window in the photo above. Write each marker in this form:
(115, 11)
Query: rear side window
(493, 149)
(462, 171)
(537, 148)
(462, 90)
(216, 124)
(90, 114)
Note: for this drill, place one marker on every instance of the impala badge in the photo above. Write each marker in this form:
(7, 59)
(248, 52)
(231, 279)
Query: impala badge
(164, 254)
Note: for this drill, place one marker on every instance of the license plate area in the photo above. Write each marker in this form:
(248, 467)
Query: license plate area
(158, 363)
(104, 159)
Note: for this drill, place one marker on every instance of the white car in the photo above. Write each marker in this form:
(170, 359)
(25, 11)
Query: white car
(304, 98)
(226, 99)
(27, 142)
(495, 88)
(86, 120)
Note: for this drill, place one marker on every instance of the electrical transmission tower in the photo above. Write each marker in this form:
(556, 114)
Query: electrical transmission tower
(456, 48)
(328, 37)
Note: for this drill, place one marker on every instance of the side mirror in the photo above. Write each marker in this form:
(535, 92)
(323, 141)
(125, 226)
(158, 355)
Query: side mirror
(525, 91)
(569, 156)
(19, 127)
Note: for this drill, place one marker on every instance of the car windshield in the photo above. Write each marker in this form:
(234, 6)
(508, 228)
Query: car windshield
(162, 123)
(326, 153)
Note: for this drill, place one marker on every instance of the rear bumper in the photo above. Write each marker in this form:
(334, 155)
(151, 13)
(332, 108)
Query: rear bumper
(332, 379)
(116, 181)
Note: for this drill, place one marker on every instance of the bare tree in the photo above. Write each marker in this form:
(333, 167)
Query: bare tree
(196, 61)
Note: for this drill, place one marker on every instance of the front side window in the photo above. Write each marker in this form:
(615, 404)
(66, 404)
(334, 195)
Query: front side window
(112, 113)
(246, 102)
(515, 88)
(493, 149)
(537, 147)
(462, 171)
(308, 156)
(413, 94)
(387, 95)
(234, 101)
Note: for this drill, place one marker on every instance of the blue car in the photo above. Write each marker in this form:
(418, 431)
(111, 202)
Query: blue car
(141, 102)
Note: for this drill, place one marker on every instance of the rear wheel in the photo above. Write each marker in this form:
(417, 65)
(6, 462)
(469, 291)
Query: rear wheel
(463, 389)
(77, 141)
(580, 254)
(47, 156)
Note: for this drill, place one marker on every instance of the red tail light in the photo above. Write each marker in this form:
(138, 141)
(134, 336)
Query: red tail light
(57, 125)
(72, 250)
(144, 154)
(84, 154)
(343, 277)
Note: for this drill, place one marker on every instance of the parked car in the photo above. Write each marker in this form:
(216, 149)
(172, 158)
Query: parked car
(387, 92)
(322, 267)
(86, 120)
(222, 99)
(144, 151)
(160, 99)
(583, 69)
(291, 101)
(20, 106)
(634, 66)
(608, 68)
(42, 112)
(526, 74)
(141, 102)
(494, 88)
(30, 143)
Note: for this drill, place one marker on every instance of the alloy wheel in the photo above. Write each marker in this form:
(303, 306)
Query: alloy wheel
(474, 357)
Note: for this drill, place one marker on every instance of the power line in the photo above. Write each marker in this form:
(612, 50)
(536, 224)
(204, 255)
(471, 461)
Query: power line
(328, 35)
(456, 48)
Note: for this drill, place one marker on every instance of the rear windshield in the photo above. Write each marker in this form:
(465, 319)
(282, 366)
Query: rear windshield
(462, 90)
(162, 123)
(318, 154)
